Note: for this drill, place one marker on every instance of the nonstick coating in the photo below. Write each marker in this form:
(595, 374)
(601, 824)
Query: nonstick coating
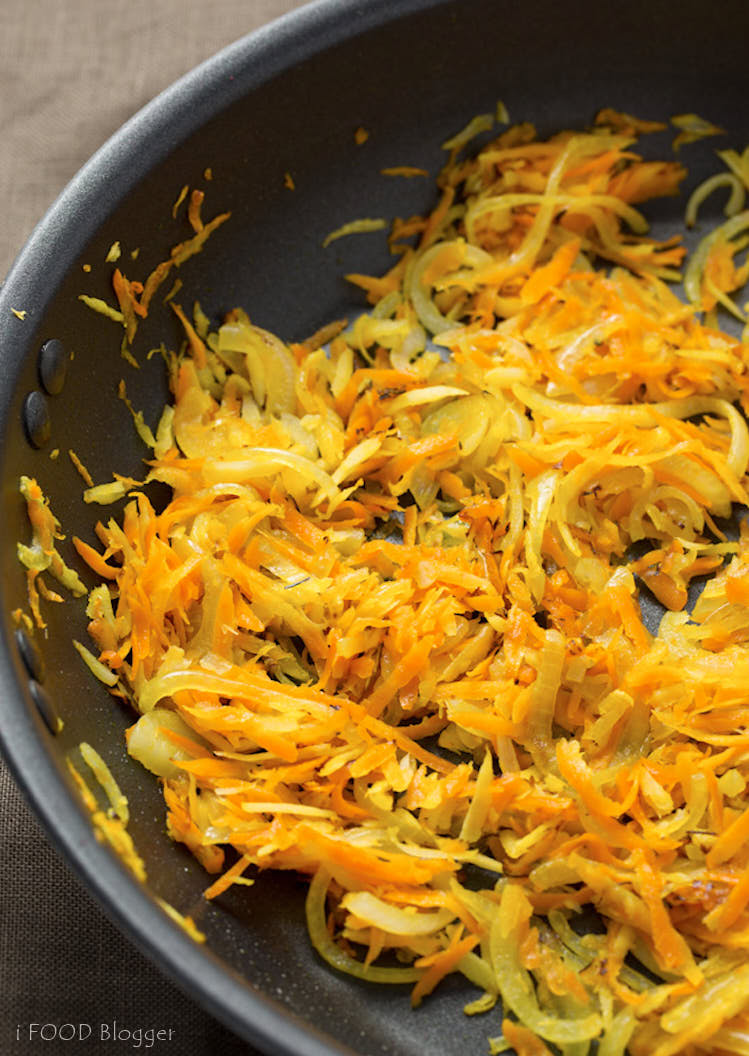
(286, 99)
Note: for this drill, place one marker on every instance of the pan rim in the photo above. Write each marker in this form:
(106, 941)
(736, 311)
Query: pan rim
(149, 136)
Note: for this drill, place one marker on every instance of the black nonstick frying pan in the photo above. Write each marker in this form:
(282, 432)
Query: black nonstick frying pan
(287, 99)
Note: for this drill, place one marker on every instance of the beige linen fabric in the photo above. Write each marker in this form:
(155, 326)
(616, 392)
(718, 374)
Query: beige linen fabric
(71, 71)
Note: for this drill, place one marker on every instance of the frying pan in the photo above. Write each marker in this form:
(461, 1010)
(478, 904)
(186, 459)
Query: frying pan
(286, 99)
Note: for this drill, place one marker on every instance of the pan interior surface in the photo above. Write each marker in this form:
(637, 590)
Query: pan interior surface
(287, 101)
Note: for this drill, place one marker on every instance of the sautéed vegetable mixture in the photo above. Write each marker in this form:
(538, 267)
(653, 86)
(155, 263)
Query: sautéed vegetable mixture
(386, 633)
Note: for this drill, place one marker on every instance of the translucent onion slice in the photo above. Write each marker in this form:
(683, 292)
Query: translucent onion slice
(266, 462)
(429, 315)
(375, 913)
(419, 397)
(519, 996)
(104, 776)
(696, 266)
(270, 364)
(148, 743)
(735, 201)
(469, 418)
(331, 953)
(717, 1001)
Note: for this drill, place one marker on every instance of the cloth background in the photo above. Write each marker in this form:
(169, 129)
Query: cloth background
(71, 71)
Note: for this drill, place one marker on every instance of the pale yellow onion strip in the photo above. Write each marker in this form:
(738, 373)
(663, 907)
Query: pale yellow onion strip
(479, 123)
(165, 432)
(702, 1013)
(469, 418)
(707, 480)
(737, 163)
(735, 201)
(271, 695)
(612, 707)
(356, 457)
(730, 1039)
(386, 305)
(299, 809)
(418, 397)
(270, 364)
(264, 462)
(478, 972)
(96, 304)
(104, 494)
(723, 299)
(642, 414)
(515, 496)
(696, 266)
(688, 509)
(544, 694)
(518, 994)
(478, 809)
(524, 258)
(614, 1042)
(331, 953)
(568, 493)
(608, 231)
(525, 255)
(97, 669)
(104, 776)
(429, 315)
(738, 453)
(541, 492)
(698, 799)
(586, 144)
(150, 745)
(554, 873)
(373, 912)
(516, 846)
(569, 353)
(171, 682)
(366, 331)
(573, 203)
(186, 923)
(253, 356)
(413, 345)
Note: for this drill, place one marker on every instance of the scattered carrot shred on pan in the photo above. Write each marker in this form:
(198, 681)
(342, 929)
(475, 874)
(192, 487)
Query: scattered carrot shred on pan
(407, 171)
(82, 470)
(387, 631)
(134, 297)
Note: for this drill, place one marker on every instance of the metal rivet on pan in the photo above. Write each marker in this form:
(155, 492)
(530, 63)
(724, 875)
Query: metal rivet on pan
(45, 707)
(29, 653)
(53, 365)
(35, 415)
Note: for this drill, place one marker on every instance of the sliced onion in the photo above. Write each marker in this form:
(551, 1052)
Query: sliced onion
(419, 397)
(518, 994)
(696, 266)
(468, 417)
(269, 363)
(544, 694)
(331, 953)
(429, 315)
(264, 462)
(152, 748)
(722, 179)
(374, 912)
